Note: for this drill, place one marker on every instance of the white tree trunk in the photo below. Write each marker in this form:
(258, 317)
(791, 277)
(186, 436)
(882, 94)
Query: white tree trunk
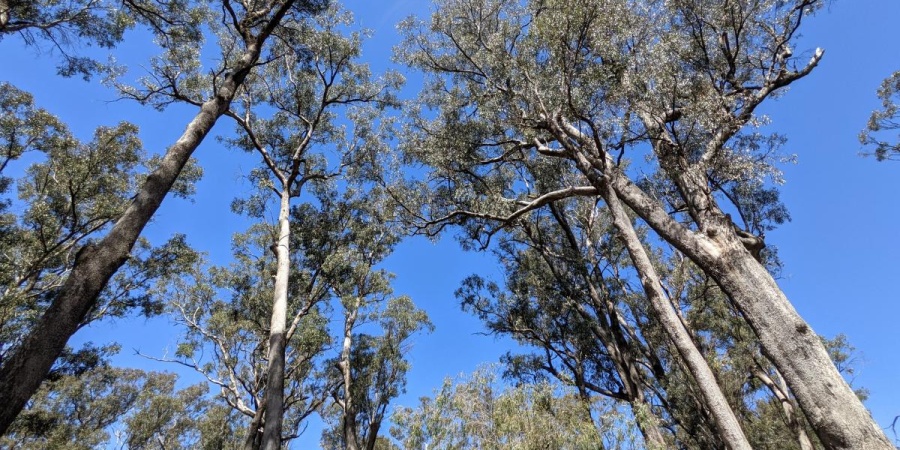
(348, 421)
(726, 423)
(277, 330)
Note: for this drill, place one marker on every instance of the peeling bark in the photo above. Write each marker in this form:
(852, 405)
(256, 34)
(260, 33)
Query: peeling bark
(832, 408)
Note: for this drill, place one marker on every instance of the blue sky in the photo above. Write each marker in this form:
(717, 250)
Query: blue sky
(841, 251)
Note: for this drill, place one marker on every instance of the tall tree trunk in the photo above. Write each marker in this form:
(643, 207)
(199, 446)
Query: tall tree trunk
(726, 422)
(277, 338)
(349, 426)
(830, 405)
(832, 408)
(25, 369)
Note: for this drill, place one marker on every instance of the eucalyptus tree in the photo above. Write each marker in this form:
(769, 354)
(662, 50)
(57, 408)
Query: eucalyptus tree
(303, 144)
(480, 412)
(568, 295)
(72, 193)
(96, 405)
(884, 119)
(371, 369)
(768, 412)
(63, 25)
(177, 76)
(669, 87)
(75, 411)
(165, 417)
(225, 312)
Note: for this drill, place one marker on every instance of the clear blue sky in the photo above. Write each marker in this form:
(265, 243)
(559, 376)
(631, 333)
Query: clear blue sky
(841, 251)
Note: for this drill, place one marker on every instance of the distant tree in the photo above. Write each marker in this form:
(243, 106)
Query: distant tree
(75, 406)
(601, 93)
(371, 368)
(479, 412)
(177, 76)
(88, 404)
(883, 120)
(168, 418)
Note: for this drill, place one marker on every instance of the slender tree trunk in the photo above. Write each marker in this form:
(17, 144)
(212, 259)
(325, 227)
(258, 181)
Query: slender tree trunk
(726, 422)
(23, 371)
(372, 436)
(277, 338)
(830, 405)
(608, 333)
(349, 427)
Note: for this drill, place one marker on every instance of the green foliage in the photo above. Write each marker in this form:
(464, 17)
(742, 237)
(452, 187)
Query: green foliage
(884, 120)
(569, 293)
(504, 78)
(74, 411)
(845, 357)
(71, 194)
(371, 369)
(532, 110)
(95, 405)
(376, 368)
(224, 312)
(478, 412)
(180, 419)
(63, 24)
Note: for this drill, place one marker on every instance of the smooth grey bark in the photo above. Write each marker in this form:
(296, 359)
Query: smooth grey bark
(274, 414)
(349, 426)
(726, 423)
(25, 369)
(832, 408)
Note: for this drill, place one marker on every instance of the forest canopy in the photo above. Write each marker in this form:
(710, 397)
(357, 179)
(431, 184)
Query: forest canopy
(613, 169)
